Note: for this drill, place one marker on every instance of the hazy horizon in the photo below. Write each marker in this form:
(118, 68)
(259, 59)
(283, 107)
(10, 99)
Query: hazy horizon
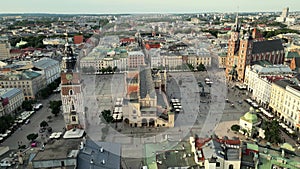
(144, 7)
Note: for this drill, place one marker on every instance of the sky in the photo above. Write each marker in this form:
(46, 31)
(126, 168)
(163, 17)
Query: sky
(144, 6)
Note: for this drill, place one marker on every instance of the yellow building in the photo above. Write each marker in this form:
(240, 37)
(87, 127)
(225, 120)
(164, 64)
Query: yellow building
(285, 102)
(29, 82)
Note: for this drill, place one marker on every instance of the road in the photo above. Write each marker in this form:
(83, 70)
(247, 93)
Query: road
(20, 134)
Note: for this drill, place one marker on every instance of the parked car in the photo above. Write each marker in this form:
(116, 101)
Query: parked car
(38, 106)
(6, 162)
(42, 130)
(27, 121)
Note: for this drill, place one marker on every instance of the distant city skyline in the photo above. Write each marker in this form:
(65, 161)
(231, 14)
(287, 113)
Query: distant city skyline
(145, 6)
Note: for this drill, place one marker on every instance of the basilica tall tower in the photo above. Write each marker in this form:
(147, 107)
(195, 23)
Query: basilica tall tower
(233, 49)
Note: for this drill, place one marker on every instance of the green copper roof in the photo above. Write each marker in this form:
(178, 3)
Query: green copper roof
(250, 116)
(291, 55)
(287, 146)
(252, 146)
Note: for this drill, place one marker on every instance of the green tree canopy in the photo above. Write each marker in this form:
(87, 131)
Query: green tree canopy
(28, 104)
(31, 137)
(272, 131)
(43, 124)
(55, 106)
(107, 116)
(201, 67)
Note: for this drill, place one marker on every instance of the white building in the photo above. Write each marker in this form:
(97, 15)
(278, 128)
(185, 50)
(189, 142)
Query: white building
(155, 58)
(291, 108)
(248, 122)
(11, 100)
(49, 67)
(171, 61)
(256, 71)
(262, 89)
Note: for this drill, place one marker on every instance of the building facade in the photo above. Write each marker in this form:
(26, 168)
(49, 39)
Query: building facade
(49, 67)
(30, 82)
(291, 107)
(285, 101)
(135, 59)
(263, 68)
(11, 100)
(143, 108)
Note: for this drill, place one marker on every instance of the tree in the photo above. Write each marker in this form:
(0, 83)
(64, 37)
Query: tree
(43, 124)
(31, 137)
(27, 104)
(109, 69)
(235, 127)
(201, 67)
(115, 69)
(49, 118)
(55, 107)
(191, 67)
(272, 131)
(106, 115)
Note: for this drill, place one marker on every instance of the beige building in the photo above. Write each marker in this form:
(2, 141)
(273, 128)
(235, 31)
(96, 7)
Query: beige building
(4, 48)
(171, 61)
(285, 101)
(135, 59)
(222, 61)
(11, 100)
(29, 82)
(201, 56)
(277, 96)
(291, 107)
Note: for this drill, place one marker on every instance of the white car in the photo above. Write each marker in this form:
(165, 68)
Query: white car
(27, 121)
(6, 162)
(38, 106)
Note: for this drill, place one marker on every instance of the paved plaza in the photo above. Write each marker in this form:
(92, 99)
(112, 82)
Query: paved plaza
(201, 114)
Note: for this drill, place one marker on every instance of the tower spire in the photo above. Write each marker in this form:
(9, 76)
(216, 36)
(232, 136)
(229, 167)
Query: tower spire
(236, 24)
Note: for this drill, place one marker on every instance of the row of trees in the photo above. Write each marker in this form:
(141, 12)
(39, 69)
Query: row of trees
(48, 90)
(32, 41)
(269, 34)
(108, 69)
(28, 104)
(272, 131)
(103, 70)
(200, 67)
(5, 122)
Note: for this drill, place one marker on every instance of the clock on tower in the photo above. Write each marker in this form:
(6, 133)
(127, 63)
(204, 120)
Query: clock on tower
(69, 77)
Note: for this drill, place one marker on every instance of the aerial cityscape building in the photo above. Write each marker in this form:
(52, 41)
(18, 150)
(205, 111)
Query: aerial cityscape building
(212, 90)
